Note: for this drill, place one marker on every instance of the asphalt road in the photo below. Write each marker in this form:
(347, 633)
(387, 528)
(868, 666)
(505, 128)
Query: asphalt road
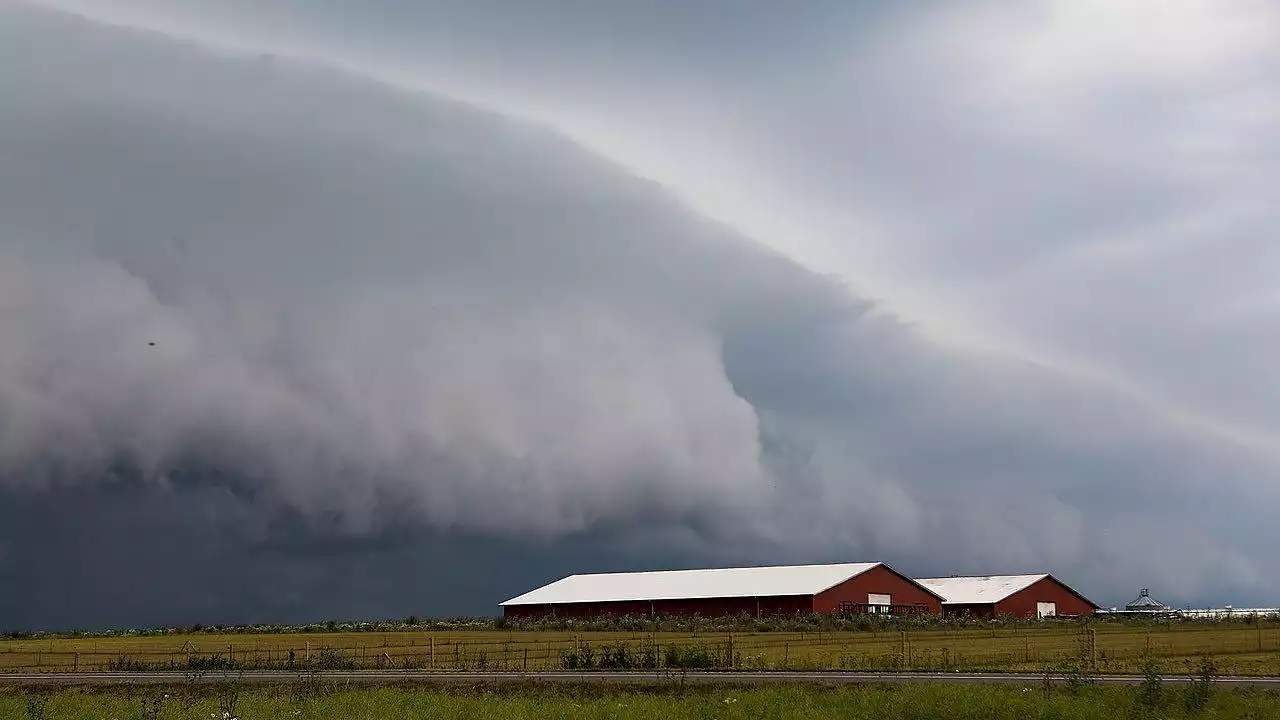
(633, 677)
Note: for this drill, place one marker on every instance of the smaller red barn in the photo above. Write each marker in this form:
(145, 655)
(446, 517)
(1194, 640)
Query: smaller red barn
(777, 590)
(1040, 595)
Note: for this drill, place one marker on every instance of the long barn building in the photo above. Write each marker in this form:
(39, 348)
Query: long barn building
(758, 591)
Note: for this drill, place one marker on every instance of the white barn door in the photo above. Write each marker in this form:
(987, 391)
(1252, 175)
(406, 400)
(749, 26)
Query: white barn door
(1046, 609)
(882, 601)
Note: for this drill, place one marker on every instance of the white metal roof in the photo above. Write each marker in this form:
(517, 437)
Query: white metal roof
(979, 589)
(683, 584)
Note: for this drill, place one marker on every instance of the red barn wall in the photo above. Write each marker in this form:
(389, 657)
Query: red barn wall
(707, 607)
(974, 610)
(879, 580)
(1023, 604)
(525, 612)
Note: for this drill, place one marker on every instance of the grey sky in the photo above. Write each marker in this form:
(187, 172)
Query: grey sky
(959, 286)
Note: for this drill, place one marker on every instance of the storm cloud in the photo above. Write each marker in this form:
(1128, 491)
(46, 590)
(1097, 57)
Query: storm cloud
(309, 305)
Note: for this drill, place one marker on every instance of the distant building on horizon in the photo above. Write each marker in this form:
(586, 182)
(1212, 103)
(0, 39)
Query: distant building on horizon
(1145, 603)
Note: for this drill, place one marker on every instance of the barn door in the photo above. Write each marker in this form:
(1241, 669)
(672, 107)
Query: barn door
(1046, 609)
(879, 603)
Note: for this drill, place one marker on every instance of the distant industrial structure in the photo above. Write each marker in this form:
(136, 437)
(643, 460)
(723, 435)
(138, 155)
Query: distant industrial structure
(1038, 596)
(847, 588)
(1145, 603)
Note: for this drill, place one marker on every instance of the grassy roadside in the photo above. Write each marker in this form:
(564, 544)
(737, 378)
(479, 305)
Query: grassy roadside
(668, 703)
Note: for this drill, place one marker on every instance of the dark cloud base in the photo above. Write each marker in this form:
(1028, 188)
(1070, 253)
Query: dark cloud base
(136, 557)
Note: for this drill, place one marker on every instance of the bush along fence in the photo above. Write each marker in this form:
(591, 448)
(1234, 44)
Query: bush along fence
(454, 656)
(673, 624)
(650, 655)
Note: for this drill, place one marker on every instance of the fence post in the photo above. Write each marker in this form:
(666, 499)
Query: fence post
(433, 652)
(76, 666)
(1093, 648)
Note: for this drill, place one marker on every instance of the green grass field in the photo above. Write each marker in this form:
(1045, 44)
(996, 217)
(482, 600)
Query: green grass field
(1246, 649)
(668, 703)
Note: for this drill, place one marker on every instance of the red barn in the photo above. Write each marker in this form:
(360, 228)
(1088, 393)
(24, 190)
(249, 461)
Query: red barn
(757, 591)
(1040, 595)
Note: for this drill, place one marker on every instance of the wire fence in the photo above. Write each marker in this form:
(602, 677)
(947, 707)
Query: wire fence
(997, 649)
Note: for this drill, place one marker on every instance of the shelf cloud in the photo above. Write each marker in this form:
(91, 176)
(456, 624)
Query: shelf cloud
(277, 318)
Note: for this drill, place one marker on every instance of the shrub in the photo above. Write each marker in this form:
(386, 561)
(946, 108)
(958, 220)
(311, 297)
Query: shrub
(616, 657)
(203, 663)
(578, 658)
(690, 657)
(331, 659)
(1199, 692)
(124, 663)
(1151, 692)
